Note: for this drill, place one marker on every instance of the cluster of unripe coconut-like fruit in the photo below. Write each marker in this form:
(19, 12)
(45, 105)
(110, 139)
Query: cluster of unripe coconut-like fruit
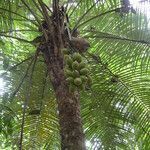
(76, 71)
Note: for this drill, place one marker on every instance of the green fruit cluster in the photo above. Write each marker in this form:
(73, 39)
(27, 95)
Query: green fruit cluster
(76, 72)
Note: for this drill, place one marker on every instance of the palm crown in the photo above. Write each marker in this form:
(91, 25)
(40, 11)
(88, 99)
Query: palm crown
(115, 109)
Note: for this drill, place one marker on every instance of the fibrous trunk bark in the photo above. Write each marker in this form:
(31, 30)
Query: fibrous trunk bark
(71, 131)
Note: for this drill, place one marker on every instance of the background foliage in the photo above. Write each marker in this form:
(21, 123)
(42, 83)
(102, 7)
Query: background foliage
(115, 110)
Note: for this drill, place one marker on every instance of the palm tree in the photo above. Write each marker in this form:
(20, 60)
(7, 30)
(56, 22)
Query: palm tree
(40, 109)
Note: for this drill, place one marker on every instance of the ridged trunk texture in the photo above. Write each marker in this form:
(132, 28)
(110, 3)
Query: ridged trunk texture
(71, 131)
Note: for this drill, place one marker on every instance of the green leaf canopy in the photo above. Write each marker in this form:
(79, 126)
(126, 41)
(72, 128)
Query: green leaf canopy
(115, 110)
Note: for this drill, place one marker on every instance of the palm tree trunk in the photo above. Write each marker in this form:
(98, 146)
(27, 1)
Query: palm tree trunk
(71, 131)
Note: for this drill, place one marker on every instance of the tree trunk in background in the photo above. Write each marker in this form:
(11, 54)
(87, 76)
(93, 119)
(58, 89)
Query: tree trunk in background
(71, 131)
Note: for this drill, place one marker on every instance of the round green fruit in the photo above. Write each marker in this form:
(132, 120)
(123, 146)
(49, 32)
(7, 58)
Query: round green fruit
(72, 88)
(84, 71)
(83, 78)
(82, 87)
(82, 65)
(77, 81)
(65, 51)
(69, 61)
(89, 80)
(66, 57)
(68, 73)
(75, 65)
(77, 57)
(76, 73)
(70, 80)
